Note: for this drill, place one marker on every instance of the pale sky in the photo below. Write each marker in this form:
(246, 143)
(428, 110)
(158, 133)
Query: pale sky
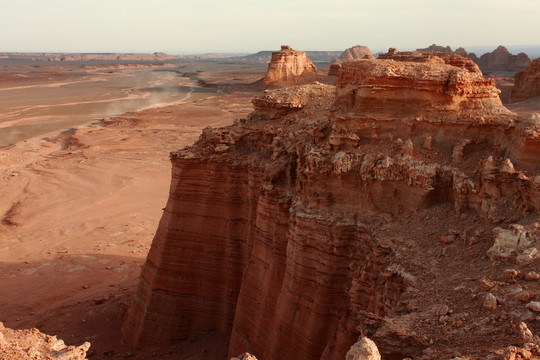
(201, 26)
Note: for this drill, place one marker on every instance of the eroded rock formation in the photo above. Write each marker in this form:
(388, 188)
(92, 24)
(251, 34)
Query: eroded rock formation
(34, 345)
(501, 59)
(355, 53)
(289, 67)
(527, 83)
(432, 58)
(334, 212)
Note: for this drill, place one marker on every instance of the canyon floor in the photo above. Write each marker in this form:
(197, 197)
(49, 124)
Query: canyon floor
(79, 209)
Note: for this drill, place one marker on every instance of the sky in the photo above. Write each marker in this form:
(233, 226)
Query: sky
(246, 26)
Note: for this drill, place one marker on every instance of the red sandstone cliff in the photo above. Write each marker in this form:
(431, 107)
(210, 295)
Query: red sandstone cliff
(289, 67)
(332, 212)
(527, 83)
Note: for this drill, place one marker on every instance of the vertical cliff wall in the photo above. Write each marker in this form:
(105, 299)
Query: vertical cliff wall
(285, 231)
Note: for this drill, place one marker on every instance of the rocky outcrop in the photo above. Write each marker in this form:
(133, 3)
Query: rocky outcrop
(501, 59)
(432, 58)
(526, 83)
(462, 52)
(34, 345)
(289, 67)
(436, 48)
(365, 349)
(313, 221)
(334, 68)
(355, 53)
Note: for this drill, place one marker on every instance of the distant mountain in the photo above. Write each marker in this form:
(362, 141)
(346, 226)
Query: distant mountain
(266, 55)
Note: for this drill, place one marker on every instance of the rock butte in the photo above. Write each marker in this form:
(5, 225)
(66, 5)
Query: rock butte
(294, 231)
(527, 83)
(289, 67)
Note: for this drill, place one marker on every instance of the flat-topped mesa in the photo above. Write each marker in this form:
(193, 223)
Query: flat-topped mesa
(409, 91)
(432, 57)
(527, 83)
(377, 99)
(289, 67)
(436, 48)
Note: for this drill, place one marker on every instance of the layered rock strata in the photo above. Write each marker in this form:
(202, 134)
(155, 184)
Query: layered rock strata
(289, 67)
(432, 58)
(526, 83)
(355, 53)
(286, 230)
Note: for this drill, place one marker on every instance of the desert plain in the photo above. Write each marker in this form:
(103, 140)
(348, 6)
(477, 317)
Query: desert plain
(85, 174)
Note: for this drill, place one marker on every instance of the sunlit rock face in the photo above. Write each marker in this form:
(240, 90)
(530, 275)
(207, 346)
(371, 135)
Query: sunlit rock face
(276, 228)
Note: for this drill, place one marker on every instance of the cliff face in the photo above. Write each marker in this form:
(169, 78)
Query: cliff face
(289, 67)
(307, 224)
(527, 83)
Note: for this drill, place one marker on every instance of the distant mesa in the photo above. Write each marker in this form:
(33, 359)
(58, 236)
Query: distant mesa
(289, 67)
(354, 53)
(436, 48)
(527, 83)
(499, 59)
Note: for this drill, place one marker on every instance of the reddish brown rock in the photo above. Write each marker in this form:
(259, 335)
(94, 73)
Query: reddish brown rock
(334, 68)
(293, 231)
(289, 67)
(34, 345)
(527, 83)
(501, 59)
(355, 53)
(432, 58)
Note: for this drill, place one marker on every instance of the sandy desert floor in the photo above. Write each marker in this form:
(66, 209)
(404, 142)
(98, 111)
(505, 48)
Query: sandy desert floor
(78, 211)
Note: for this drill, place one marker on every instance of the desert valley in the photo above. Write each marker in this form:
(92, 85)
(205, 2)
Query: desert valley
(281, 205)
